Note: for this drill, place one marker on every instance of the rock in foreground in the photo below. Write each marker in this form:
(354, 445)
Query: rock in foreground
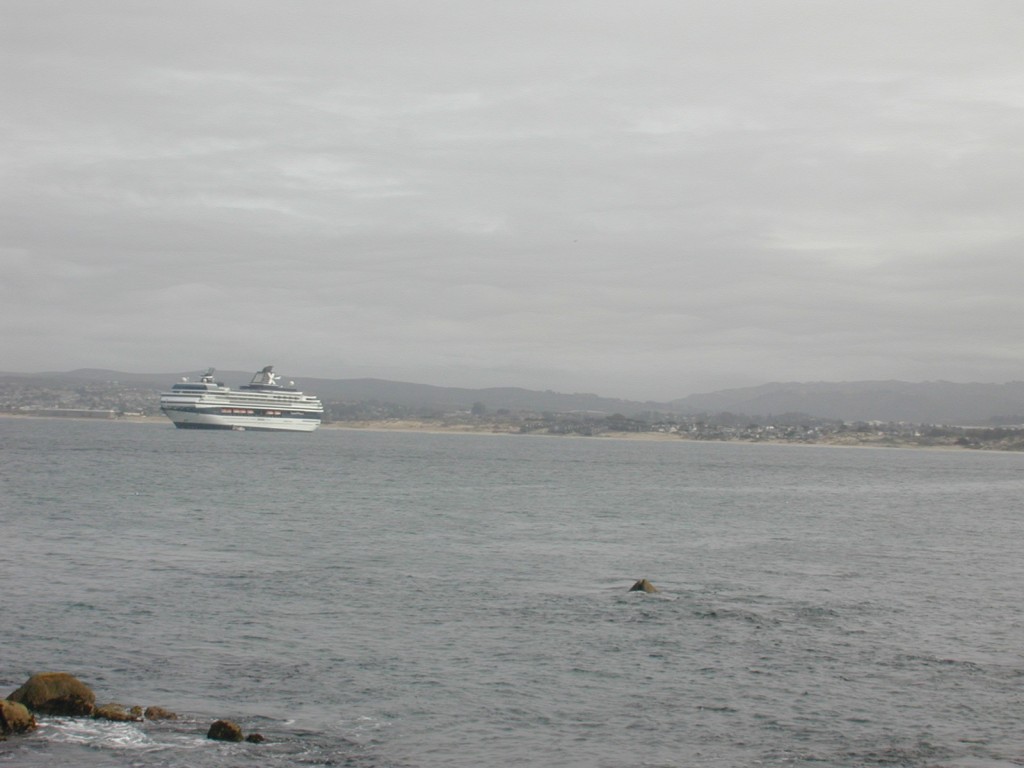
(116, 713)
(225, 730)
(643, 586)
(56, 693)
(159, 713)
(15, 718)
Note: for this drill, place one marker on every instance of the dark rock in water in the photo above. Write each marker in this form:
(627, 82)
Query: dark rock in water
(136, 712)
(55, 693)
(643, 586)
(159, 713)
(114, 712)
(225, 730)
(15, 718)
(255, 738)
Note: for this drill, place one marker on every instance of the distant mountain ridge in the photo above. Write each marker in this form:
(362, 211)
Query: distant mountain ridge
(936, 402)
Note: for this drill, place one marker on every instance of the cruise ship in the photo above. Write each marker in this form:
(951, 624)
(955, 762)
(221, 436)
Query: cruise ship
(262, 404)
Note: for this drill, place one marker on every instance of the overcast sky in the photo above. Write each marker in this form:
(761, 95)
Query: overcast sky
(639, 199)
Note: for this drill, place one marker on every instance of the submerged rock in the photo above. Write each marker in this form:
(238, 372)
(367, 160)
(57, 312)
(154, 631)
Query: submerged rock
(643, 586)
(159, 713)
(15, 718)
(255, 738)
(115, 712)
(55, 693)
(225, 730)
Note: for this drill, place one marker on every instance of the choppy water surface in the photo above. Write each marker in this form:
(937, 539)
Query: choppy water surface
(436, 601)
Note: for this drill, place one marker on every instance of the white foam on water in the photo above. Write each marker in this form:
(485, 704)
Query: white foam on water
(80, 730)
(105, 734)
(363, 724)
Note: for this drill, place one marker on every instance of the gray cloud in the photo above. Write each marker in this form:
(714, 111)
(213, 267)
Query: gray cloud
(640, 200)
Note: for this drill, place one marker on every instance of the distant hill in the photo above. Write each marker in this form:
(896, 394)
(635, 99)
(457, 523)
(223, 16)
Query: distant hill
(456, 398)
(933, 402)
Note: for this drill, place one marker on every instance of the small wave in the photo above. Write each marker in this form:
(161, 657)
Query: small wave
(927, 660)
(918, 754)
(364, 729)
(816, 612)
(748, 617)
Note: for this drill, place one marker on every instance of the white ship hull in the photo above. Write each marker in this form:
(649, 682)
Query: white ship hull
(263, 404)
(201, 420)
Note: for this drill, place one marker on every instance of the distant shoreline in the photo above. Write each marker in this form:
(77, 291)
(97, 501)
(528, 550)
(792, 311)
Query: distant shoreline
(404, 425)
(432, 427)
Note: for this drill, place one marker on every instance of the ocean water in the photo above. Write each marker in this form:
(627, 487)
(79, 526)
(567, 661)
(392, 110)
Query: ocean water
(435, 601)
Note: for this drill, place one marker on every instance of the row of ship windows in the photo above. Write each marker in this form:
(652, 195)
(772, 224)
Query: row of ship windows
(243, 411)
(251, 412)
(257, 401)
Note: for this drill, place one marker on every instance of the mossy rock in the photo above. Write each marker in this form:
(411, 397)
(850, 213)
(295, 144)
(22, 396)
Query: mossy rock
(56, 693)
(225, 730)
(15, 718)
(114, 712)
(159, 713)
(643, 586)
